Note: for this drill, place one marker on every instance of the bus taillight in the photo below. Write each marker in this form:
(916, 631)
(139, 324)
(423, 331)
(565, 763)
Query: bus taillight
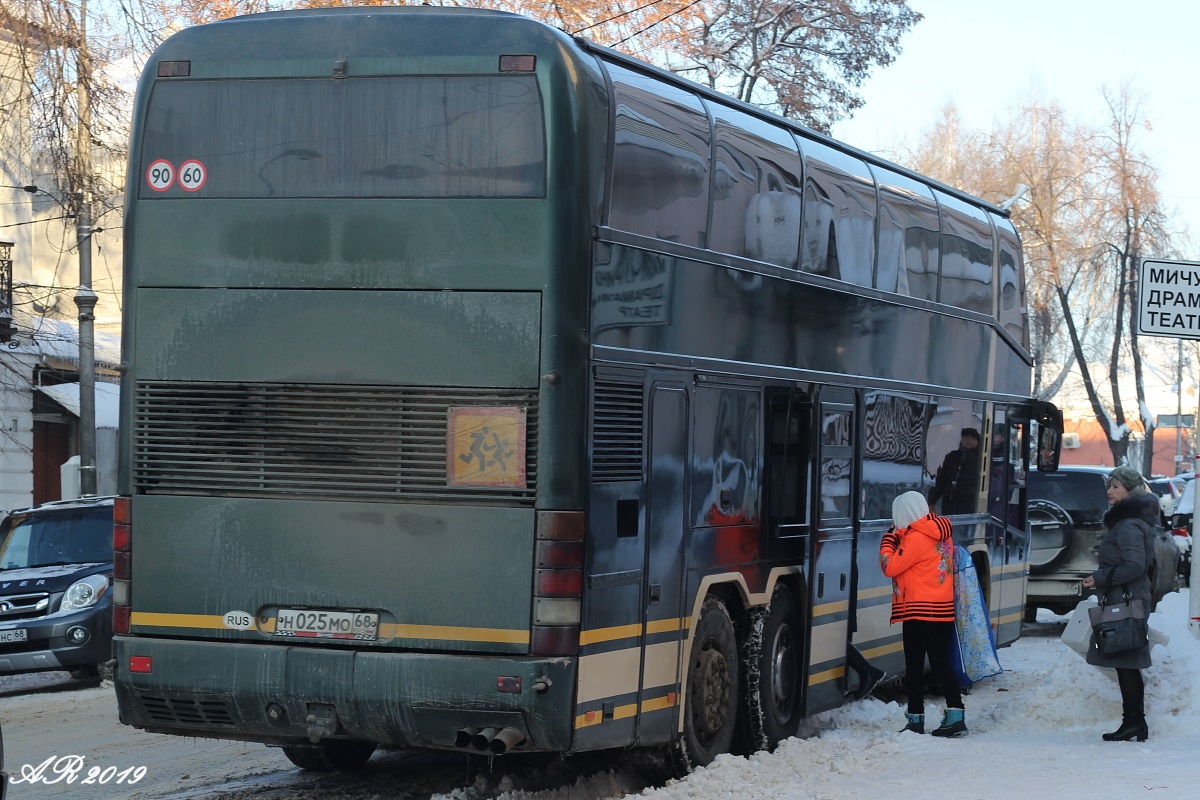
(558, 582)
(120, 620)
(122, 557)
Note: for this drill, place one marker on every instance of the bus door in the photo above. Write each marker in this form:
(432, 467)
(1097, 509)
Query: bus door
(834, 514)
(788, 514)
(662, 586)
(1006, 505)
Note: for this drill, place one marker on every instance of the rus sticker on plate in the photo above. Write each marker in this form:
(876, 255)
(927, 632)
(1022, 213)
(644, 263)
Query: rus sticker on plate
(316, 624)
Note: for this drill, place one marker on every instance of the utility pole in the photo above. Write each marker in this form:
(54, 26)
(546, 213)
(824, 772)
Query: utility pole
(85, 298)
(1179, 407)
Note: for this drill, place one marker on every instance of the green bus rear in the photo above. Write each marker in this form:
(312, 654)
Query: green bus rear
(301, 326)
(440, 430)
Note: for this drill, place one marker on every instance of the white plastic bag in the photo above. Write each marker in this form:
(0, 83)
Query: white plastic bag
(1078, 633)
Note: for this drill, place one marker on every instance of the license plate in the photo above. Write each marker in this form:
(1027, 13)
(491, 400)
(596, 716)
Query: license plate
(313, 624)
(14, 635)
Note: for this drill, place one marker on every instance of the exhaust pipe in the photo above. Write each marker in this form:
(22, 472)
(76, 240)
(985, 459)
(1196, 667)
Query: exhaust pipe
(483, 739)
(506, 740)
(463, 736)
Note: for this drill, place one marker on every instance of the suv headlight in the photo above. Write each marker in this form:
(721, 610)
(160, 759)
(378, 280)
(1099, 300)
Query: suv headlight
(84, 593)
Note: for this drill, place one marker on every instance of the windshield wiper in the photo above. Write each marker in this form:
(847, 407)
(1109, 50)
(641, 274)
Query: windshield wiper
(51, 564)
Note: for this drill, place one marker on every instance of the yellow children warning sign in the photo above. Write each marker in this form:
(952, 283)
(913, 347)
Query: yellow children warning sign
(486, 447)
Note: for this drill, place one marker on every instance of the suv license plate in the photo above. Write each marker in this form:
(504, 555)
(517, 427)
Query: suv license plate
(14, 635)
(313, 624)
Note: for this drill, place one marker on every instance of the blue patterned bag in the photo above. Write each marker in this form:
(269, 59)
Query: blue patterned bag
(973, 653)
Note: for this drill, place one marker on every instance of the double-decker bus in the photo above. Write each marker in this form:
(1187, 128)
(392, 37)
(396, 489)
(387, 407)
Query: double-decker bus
(489, 389)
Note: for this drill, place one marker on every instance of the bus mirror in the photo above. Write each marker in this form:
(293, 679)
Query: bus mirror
(1049, 444)
(1050, 427)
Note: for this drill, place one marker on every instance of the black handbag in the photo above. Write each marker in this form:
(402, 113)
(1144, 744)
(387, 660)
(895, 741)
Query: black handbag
(1120, 627)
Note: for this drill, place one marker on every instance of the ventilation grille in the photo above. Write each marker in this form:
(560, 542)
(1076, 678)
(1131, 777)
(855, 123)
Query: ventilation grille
(318, 442)
(617, 431)
(24, 606)
(186, 712)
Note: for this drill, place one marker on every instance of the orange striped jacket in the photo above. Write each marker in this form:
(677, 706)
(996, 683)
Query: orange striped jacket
(920, 561)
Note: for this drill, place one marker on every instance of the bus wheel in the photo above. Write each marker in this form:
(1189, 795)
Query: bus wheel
(331, 755)
(712, 680)
(771, 647)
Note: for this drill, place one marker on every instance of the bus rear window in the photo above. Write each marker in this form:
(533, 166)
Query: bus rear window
(459, 136)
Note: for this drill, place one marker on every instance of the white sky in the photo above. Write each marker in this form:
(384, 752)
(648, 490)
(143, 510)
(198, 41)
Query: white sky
(991, 58)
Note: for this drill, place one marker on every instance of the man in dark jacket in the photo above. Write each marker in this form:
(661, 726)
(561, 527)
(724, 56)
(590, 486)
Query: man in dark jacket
(957, 481)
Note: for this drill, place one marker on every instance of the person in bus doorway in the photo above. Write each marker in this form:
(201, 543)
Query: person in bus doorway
(1124, 555)
(957, 480)
(918, 555)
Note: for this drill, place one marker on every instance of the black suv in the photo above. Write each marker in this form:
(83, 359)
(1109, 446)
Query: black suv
(1066, 524)
(56, 568)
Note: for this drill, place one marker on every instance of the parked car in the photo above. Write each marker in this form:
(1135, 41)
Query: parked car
(1066, 524)
(1181, 530)
(56, 567)
(1169, 490)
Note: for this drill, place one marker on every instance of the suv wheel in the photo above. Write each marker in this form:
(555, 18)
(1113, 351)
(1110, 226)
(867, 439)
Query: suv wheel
(1051, 530)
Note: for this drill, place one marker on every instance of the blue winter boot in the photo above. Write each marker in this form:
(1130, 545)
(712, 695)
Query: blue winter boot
(916, 723)
(952, 723)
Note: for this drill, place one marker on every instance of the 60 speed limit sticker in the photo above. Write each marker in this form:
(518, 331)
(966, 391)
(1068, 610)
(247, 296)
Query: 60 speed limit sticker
(192, 175)
(160, 175)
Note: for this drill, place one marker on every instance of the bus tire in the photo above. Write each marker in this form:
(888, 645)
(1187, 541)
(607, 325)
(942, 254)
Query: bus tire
(331, 755)
(771, 649)
(711, 708)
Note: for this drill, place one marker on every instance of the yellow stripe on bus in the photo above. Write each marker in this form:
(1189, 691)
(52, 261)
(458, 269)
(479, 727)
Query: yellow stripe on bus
(827, 675)
(875, 591)
(590, 718)
(831, 608)
(386, 630)
(1007, 618)
(598, 635)
(447, 633)
(178, 620)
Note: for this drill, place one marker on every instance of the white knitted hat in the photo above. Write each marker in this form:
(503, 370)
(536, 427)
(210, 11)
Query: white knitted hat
(908, 508)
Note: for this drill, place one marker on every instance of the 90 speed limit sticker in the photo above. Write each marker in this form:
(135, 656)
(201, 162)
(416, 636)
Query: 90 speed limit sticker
(160, 175)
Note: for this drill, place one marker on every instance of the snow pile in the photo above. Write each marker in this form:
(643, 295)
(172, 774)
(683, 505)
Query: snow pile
(1034, 731)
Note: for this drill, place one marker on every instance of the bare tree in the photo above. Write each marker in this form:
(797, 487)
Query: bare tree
(1089, 212)
(800, 59)
(1133, 226)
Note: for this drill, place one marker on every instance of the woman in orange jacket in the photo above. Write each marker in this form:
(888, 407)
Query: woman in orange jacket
(918, 555)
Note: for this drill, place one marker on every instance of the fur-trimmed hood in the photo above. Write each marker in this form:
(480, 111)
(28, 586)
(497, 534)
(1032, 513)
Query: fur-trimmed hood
(1143, 506)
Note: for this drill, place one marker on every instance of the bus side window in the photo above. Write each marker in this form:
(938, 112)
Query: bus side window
(838, 215)
(1011, 313)
(967, 256)
(725, 468)
(660, 160)
(756, 189)
(908, 236)
(893, 450)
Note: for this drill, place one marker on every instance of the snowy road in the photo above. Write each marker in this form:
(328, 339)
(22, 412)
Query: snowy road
(49, 717)
(1035, 732)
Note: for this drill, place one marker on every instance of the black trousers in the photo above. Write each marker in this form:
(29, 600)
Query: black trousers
(930, 639)
(1133, 693)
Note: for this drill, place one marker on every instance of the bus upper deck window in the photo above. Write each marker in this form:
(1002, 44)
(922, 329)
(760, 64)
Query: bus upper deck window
(518, 63)
(174, 69)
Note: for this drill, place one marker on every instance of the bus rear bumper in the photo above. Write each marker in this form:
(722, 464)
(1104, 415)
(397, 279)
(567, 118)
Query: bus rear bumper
(289, 695)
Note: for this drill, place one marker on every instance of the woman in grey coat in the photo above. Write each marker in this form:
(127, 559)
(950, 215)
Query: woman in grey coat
(1125, 552)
